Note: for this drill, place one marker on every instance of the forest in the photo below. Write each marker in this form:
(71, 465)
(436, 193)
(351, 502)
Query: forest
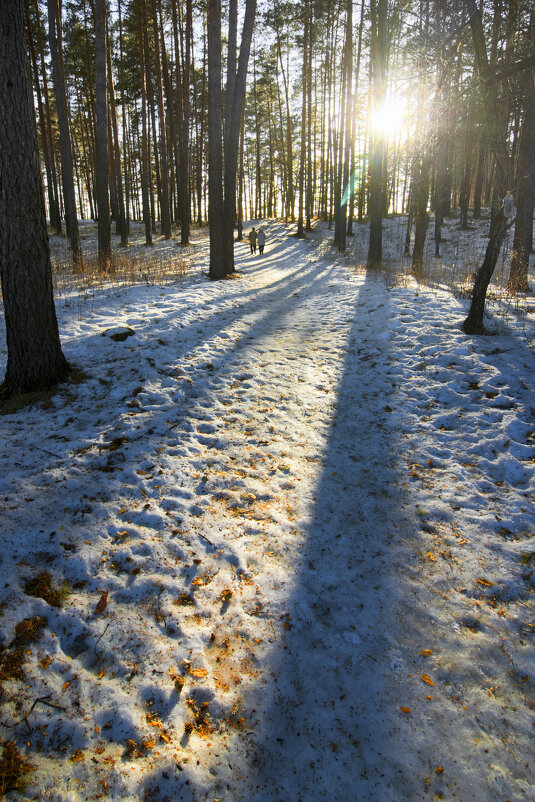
(267, 421)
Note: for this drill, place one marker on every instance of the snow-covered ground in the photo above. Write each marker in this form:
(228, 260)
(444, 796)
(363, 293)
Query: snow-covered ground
(295, 514)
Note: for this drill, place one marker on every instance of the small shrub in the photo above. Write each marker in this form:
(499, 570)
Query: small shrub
(41, 587)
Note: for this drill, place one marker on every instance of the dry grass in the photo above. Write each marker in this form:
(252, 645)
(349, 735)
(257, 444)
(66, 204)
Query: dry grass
(41, 587)
(123, 269)
(13, 769)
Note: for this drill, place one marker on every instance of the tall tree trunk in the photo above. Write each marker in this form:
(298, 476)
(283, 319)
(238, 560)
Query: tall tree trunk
(498, 141)
(103, 205)
(309, 202)
(525, 183)
(184, 182)
(340, 230)
(215, 149)
(116, 152)
(240, 179)
(165, 222)
(421, 219)
(145, 175)
(55, 216)
(124, 125)
(480, 175)
(35, 360)
(379, 56)
(47, 156)
(236, 91)
(302, 154)
(67, 175)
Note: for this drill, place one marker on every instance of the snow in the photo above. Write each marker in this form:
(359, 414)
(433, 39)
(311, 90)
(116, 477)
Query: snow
(309, 498)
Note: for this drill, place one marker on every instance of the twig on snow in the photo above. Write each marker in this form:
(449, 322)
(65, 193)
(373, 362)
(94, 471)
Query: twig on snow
(40, 700)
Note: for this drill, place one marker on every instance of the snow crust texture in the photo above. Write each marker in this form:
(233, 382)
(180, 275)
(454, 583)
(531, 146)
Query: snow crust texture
(294, 512)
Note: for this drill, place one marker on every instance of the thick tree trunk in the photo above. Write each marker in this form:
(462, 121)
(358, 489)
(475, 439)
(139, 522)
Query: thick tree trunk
(67, 176)
(103, 205)
(35, 360)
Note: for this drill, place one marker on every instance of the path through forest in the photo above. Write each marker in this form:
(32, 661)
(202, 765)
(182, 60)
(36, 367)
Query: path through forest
(292, 486)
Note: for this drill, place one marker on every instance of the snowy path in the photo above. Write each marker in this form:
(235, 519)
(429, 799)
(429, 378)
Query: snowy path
(289, 487)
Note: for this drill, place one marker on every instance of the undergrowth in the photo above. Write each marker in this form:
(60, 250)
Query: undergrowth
(14, 769)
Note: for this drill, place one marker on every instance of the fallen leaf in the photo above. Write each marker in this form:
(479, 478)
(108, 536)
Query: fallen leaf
(427, 679)
(426, 652)
(439, 770)
(486, 582)
(148, 743)
(198, 672)
(431, 556)
(405, 709)
(45, 662)
(76, 756)
(102, 603)
(66, 685)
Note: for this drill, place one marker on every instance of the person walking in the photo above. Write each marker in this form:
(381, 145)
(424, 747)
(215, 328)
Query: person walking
(252, 239)
(261, 239)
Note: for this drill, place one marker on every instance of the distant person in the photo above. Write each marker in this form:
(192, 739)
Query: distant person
(261, 239)
(252, 239)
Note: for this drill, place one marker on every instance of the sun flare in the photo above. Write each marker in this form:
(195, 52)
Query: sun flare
(390, 116)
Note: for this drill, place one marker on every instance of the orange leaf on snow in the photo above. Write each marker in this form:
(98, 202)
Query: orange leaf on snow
(486, 582)
(405, 709)
(427, 679)
(66, 685)
(439, 770)
(102, 603)
(431, 556)
(76, 756)
(426, 652)
(198, 672)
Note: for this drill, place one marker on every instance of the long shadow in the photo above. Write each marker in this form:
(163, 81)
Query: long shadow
(328, 723)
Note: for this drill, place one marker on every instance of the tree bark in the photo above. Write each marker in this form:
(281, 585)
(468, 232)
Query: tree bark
(35, 360)
(103, 204)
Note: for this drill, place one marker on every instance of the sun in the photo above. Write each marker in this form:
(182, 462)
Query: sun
(390, 116)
